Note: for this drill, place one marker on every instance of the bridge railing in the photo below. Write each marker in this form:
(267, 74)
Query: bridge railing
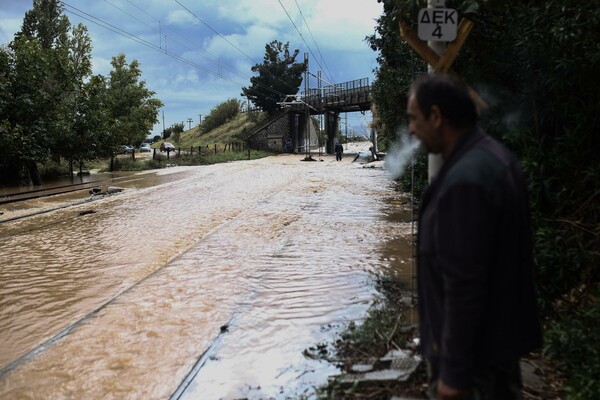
(347, 92)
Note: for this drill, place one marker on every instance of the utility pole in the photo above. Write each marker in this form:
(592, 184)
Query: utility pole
(163, 133)
(307, 126)
(200, 120)
(320, 105)
(190, 123)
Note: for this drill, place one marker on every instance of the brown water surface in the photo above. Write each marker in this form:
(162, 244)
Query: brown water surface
(229, 271)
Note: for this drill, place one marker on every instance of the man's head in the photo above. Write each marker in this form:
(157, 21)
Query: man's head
(439, 110)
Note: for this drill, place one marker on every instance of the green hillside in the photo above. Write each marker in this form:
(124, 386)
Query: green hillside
(224, 134)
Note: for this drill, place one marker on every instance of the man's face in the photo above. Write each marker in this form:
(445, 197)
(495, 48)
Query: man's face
(423, 129)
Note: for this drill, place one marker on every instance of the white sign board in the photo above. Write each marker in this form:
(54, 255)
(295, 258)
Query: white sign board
(437, 24)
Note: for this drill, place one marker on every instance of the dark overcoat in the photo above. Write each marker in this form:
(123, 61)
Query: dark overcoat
(477, 305)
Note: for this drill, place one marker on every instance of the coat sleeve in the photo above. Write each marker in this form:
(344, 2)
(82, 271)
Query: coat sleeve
(464, 237)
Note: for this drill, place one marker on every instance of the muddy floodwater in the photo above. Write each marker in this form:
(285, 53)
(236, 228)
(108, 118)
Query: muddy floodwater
(197, 283)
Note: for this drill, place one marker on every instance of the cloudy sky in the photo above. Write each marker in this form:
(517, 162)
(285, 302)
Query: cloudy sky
(196, 54)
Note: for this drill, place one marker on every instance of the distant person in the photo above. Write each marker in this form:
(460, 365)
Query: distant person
(339, 150)
(477, 308)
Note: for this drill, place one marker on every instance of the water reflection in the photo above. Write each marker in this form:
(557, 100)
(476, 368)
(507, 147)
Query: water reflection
(276, 250)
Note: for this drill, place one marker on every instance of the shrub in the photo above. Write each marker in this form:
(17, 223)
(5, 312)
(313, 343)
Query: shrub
(573, 340)
(220, 114)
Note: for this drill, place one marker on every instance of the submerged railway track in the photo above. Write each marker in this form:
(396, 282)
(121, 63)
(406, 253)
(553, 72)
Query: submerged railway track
(21, 196)
(88, 190)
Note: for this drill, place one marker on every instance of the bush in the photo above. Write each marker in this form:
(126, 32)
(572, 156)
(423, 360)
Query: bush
(573, 340)
(128, 164)
(220, 115)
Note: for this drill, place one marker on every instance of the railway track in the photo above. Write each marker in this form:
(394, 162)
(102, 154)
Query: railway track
(87, 188)
(57, 190)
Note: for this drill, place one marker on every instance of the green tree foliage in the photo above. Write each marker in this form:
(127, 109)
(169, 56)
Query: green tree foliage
(220, 114)
(51, 106)
(397, 66)
(279, 75)
(131, 108)
(90, 133)
(41, 74)
(176, 131)
(71, 142)
(536, 65)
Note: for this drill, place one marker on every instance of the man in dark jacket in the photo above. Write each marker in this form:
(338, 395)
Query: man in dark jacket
(477, 307)
(339, 149)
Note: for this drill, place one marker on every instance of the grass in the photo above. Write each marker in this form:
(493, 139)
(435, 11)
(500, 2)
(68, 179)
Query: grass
(161, 161)
(222, 135)
(219, 137)
(385, 328)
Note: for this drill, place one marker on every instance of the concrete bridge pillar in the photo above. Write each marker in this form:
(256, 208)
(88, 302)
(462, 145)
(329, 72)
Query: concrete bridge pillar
(332, 124)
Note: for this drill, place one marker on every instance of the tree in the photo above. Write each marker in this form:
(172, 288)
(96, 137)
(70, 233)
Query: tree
(279, 75)
(131, 108)
(398, 64)
(70, 142)
(90, 138)
(51, 107)
(176, 131)
(45, 66)
(535, 63)
(40, 64)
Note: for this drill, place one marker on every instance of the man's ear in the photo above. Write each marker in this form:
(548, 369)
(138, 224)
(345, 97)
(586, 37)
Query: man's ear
(435, 116)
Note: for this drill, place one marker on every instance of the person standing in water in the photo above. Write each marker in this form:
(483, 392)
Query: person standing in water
(339, 150)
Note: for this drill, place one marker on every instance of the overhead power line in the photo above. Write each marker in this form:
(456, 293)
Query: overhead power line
(215, 31)
(233, 45)
(215, 60)
(330, 77)
(104, 24)
(300, 33)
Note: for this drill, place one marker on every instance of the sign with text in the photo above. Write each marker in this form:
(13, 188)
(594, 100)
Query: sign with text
(437, 24)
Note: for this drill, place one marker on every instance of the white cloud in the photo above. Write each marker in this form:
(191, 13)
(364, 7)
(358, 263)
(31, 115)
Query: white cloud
(339, 28)
(344, 28)
(181, 17)
(256, 12)
(251, 42)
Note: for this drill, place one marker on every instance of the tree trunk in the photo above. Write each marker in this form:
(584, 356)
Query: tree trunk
(34, 173)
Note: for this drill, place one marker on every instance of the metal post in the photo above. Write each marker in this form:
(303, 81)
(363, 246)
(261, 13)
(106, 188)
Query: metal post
(346, 129)
(435, 161)
(320, 107)
(307, 127)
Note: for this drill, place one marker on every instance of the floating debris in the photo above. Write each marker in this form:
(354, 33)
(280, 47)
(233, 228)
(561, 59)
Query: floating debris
(86, 212)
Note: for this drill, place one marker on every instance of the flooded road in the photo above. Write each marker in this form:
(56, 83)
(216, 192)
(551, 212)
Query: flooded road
(196, 283)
